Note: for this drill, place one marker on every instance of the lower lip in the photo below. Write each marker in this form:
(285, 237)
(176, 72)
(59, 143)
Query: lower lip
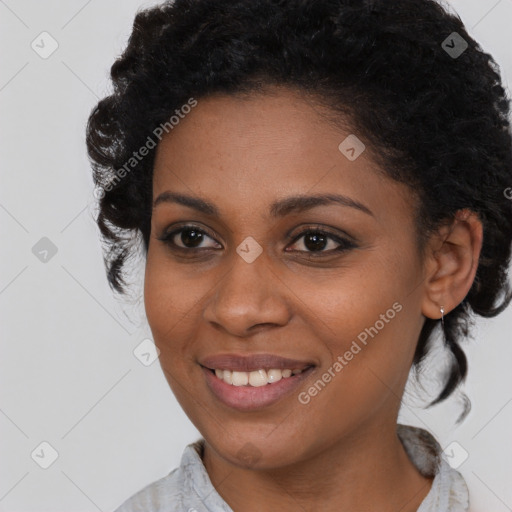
(249, 398)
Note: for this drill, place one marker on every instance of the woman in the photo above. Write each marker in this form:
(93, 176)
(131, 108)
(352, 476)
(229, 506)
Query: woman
(320, 190)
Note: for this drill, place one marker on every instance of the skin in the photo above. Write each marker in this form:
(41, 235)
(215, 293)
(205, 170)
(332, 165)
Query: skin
(340, 451)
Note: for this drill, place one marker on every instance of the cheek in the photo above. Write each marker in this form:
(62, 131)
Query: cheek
(371, 319)
(170, 298)
(171, 289)
(345, 302)
(368, 364)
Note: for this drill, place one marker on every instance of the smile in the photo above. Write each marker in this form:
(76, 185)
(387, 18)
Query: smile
(254, 382)
(255, 378)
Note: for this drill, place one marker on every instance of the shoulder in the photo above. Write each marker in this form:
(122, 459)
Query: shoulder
(172, 493)
(449, 491)
(163, 494)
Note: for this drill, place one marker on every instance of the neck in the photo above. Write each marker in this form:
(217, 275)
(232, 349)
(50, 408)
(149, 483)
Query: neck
(358, 473)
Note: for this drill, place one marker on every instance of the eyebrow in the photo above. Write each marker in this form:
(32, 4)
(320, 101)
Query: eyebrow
(279, 208)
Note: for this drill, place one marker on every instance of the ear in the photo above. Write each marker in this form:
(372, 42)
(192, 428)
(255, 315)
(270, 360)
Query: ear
(451, 263)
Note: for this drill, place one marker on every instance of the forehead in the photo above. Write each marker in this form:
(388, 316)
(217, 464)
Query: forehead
(281, 124)
(262, 147)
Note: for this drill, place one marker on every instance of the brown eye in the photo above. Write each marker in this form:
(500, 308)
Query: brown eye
(315, 241)
(321, 242)
(188, 238)
(191, 237)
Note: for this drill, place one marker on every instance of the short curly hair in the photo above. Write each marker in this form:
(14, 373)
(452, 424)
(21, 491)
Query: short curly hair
(434, 120)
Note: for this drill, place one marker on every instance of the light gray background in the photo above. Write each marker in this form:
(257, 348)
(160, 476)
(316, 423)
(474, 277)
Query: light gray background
(68, 375)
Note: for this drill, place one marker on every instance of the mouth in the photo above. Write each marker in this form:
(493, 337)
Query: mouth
(255, 378)
(253, 382)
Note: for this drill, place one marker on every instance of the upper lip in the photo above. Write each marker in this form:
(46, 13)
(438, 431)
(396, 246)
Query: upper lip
(249, 363)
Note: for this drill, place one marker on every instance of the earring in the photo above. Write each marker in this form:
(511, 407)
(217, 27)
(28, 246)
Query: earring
(442, 315)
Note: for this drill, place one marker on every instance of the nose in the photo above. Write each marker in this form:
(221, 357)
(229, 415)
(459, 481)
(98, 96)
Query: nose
(248, 298)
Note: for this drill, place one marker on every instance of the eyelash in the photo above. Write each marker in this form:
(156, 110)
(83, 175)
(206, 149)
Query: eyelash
(344, 243)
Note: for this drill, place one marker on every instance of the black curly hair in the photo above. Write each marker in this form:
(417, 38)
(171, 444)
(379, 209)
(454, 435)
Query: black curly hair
(433, 119)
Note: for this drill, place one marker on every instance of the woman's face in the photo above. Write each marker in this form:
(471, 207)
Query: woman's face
(250, 284)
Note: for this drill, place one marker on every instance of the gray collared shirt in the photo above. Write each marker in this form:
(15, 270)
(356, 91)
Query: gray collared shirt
(188, 488)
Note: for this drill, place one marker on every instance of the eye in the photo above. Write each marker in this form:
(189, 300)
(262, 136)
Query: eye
(321, 241)
(188, 238)
(317, 242)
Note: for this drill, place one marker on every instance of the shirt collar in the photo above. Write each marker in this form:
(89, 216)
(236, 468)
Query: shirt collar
(448, 493)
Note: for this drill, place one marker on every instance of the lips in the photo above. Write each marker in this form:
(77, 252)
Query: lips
(221, 372)
(241, 363)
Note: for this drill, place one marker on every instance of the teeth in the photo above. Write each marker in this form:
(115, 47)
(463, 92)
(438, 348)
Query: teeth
(227, 376)
(274, 375)
(240, 378)
(258, 378)
(255, 378)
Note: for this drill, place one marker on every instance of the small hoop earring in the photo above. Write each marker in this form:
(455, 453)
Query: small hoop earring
(442, 315)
